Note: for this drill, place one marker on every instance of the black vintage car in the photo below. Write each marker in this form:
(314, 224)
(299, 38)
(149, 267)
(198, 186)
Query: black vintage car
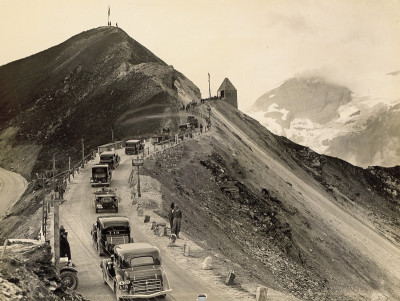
(110, 231)
(135, 271)
(105, 199)
(111, 158)
(133, 147)
(101, 175)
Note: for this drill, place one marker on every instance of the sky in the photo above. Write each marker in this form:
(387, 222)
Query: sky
(257, 44)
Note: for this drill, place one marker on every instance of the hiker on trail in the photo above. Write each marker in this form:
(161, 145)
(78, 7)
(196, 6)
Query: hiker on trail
(201, 128)
(171, 215)
(176, 225)
(65, 250)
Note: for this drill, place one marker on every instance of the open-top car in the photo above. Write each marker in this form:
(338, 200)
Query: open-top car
(110, 231)
(134, 271)
(105, 199)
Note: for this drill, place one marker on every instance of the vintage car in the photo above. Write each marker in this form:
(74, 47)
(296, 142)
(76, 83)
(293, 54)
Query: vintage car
(105, 199)
(111, 158)
(133, 147)
(110, 231)
(134, 271)
(101, 175)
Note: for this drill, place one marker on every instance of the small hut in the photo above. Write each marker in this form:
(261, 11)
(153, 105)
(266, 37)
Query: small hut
(228, 93)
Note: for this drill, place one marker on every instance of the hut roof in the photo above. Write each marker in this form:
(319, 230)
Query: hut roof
(227, 86)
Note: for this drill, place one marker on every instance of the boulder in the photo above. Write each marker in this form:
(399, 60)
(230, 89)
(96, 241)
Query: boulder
(207, 263)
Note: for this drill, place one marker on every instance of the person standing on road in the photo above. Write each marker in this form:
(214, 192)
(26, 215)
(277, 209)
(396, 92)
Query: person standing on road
(65, 250)
(201, 128)
(171, 215)
(177, 221)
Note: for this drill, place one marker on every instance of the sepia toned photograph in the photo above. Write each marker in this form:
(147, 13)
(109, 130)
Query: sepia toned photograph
(214, 150)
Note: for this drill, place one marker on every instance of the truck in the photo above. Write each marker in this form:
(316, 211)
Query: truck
(101, 175)
(105, 200)
(133, 147)
(111, 158)
(135, 271)
(110, 231)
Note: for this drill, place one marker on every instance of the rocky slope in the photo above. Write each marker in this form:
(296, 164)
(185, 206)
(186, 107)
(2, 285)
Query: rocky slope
(97, 80)
(276, 238)
(26, 273)
(331, 120)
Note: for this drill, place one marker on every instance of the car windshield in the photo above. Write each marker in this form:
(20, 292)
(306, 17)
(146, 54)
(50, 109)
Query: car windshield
(132, 144)
(99, 170)
(106, 157)
(144, 260)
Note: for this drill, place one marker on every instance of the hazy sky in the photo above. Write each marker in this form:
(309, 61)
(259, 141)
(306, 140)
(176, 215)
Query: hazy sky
(255, 43)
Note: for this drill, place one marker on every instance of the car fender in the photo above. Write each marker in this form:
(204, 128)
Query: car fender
(68, 268)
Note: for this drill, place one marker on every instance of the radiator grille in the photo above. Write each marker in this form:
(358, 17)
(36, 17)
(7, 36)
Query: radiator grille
(117, 240)
(146, 286)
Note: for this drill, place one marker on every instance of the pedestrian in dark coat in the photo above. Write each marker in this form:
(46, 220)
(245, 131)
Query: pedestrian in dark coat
(171, 215)
(65, 250)
(176, 225)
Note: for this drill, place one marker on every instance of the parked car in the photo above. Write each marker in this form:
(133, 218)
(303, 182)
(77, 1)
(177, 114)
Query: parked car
(106, 200)
(111, 158)
(110, 231)
(135, 271)
(101, 175)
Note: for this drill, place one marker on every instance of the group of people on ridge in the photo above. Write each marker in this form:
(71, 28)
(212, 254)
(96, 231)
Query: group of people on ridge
(175, 218)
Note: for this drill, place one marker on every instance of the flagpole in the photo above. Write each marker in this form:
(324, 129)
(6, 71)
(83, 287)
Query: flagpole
(209, 86)
(108, 21)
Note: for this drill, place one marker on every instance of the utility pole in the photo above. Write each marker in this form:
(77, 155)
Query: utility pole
(209, 85)
(83, 154)
(69, 169)
(138, 182)
(56, 219)
(112, 135)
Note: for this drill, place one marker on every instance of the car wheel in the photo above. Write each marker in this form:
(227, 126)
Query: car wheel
(69, 279)
(97, 210)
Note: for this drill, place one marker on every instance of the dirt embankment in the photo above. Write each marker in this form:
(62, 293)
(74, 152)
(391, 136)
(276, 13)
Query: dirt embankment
(26, 273)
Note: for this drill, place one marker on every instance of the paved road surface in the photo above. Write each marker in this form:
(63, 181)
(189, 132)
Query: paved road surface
(77, 215)
(12, 186)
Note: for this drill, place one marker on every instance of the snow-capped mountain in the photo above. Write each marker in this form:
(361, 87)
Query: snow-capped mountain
(331, 120)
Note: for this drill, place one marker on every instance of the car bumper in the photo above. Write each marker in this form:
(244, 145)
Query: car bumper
(138, 296)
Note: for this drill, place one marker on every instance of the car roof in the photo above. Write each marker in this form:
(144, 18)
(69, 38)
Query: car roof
(113, 220)
(137, 248)
(100, 165)
(132, 141)
(107, 153)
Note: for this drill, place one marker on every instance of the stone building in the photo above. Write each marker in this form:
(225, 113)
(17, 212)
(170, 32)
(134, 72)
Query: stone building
(228, 93)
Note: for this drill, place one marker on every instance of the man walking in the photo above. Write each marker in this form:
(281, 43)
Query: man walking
(176, 224)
